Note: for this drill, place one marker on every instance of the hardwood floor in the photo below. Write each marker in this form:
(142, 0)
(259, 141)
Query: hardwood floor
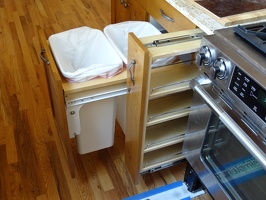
(32, 165)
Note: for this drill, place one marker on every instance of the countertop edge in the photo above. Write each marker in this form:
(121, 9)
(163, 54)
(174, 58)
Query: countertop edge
(197, 16)
(205, 22)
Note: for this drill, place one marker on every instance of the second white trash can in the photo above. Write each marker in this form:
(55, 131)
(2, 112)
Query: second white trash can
(117, 34)
(79, 58)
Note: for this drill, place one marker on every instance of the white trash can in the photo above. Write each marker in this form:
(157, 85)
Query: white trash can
(96, 121)
(82, 54)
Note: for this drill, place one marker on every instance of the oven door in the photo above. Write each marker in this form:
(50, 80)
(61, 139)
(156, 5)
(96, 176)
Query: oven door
(227, 161)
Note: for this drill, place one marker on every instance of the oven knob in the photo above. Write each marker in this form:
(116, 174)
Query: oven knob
(219, 69)
(204, 56)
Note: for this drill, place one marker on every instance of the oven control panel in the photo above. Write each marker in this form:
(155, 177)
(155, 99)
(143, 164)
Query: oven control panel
(249, 92)
(213, 62)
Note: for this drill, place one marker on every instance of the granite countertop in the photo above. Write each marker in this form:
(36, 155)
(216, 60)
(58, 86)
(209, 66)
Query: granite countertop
(196, 15)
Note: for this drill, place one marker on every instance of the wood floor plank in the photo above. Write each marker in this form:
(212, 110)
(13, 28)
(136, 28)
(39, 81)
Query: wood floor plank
(5, 192)
(6, 117)
(72, 183)
(113, 173)
(92, 178)
(141, 187)
(112, 195)
(34, 14)
(167, 176)
(178, 171)
(85, 189)
(63, 190)
(41, 9)
(25, 49)
(46, 169)
(20, 8)
(15, 183)
(7, 76)
(21, 65)
(124, 174)
(103, 175)
(2, 135)
(32, 181)
(117, 150)
(11, 149)
(39, 123)
(21, 86)
(6, 39)
(10, 6)
(42, 197)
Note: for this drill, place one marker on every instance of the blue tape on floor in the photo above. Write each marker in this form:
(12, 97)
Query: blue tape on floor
(157, 191)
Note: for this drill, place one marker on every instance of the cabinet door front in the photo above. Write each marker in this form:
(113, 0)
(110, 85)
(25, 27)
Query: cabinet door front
(138, 13)
(120, 11)
(168, 16)
(136, 104)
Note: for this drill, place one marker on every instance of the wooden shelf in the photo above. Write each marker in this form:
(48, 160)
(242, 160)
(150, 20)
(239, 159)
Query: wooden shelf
(165, 134)
(162, 156)
(171, 79)
(169, 107)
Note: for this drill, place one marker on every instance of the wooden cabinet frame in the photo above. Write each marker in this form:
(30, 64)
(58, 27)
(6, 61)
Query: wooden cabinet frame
(139, 98)
(62, 92)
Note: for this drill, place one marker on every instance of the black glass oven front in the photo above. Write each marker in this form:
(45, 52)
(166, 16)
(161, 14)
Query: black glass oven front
(239, 174)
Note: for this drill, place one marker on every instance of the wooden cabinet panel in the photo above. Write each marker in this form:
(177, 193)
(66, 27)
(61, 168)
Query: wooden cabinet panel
(136, 104)
(128, 10)
(142, 3)
(168, 16)
(57, 98)
(120, 11)
(138, 13)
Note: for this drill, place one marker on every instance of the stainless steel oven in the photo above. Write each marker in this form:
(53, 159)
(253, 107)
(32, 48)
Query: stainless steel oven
(225, 141)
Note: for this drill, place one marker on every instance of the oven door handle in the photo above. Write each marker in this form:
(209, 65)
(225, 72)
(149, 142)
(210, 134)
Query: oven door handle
(253, 149)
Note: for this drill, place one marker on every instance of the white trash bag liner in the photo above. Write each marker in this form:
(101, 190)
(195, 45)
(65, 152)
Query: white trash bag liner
(84, 53)
(117, 34)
